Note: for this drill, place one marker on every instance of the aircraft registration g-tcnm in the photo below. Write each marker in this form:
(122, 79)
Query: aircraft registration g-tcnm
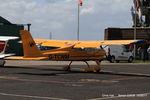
(66, 50)
(3, 45)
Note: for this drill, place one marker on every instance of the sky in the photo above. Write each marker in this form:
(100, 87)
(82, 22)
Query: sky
(60, 17)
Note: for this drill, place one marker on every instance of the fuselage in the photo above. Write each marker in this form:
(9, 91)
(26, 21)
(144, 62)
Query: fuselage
(75, 54)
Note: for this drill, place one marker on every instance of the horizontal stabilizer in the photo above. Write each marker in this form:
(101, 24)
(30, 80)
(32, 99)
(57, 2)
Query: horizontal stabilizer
(6, 38)
(5, 55)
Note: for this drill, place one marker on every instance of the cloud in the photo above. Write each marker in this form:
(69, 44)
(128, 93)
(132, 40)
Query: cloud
(60, 16)
(87, 11)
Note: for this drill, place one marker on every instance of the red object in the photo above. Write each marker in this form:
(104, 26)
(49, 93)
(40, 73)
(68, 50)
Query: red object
(2, 45)
(137, 5)
(80, 2)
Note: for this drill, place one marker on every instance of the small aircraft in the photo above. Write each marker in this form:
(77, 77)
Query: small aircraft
(3, 45)
(64, 50)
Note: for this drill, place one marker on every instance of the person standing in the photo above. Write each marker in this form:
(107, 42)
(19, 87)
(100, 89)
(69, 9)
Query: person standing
(148, 51)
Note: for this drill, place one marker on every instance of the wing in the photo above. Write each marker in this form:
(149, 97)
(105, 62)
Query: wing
(6, 38)
(94, 44)
(53, 43)
(84, 44)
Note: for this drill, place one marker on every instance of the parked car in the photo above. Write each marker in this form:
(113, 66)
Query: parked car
(118, 53)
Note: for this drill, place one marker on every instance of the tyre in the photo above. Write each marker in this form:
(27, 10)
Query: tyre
(112, 60)
(130, 60)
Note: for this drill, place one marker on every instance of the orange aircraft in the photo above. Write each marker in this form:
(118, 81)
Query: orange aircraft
(66, 50)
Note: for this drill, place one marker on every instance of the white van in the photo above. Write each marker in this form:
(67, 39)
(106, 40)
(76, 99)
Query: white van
(118, 53)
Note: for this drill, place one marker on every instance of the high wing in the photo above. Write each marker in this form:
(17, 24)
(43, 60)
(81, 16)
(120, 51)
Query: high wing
(83, 44)
(6, 38)
(95, 44)
(53, 43)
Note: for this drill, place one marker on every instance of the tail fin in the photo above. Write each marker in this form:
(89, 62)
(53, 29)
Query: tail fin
(29, 47)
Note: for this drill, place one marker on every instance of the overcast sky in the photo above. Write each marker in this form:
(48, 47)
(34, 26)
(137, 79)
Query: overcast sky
(60, 17)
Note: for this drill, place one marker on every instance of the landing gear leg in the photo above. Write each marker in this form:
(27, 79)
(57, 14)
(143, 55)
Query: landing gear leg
(92, 69)
(89, 69)
(67, 68)
(2, 62)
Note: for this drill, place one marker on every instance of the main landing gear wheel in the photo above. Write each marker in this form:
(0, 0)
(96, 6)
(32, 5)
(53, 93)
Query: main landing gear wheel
(89, 69)
(98, 67)
(93, 69)
(67, 68)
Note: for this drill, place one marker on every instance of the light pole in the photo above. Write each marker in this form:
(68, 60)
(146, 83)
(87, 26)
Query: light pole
(50, 35)
(78, 23)
(135, 30)
(79, 4)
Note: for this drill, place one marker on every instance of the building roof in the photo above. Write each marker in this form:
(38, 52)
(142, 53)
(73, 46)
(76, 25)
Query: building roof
(4, 21)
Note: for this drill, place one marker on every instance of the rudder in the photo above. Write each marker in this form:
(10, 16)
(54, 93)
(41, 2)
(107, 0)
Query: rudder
(29, 46)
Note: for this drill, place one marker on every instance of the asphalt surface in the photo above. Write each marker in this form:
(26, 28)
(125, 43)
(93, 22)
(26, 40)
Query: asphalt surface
(45, 80)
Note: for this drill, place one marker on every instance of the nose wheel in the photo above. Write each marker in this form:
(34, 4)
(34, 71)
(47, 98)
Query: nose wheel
(98, 67)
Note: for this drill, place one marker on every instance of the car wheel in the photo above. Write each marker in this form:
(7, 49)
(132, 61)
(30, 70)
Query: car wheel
(130, 60)
(112, 60)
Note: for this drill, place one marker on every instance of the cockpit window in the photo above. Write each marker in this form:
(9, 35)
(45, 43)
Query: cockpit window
(45, 48)
(77, 49)
(68, 44)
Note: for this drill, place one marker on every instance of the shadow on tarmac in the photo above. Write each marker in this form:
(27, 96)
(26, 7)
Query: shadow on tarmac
(57, 71)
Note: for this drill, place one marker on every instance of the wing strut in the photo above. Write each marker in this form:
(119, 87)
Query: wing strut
(67, 68)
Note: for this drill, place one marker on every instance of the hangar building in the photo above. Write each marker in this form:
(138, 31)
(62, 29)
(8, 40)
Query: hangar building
(141, 26)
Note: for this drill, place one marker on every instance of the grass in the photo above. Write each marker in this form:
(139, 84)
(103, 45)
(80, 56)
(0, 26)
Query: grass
(141, 61)
(134, 61)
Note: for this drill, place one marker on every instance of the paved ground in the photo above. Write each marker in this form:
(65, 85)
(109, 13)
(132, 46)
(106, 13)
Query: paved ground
(44, 80)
